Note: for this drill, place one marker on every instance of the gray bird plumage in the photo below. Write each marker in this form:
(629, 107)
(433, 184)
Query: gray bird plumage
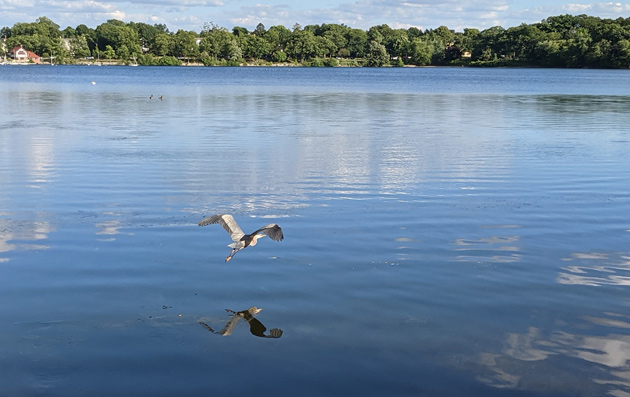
(242, 240)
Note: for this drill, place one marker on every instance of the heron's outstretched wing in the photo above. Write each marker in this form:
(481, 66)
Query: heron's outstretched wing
(206, 326)
(228, 223)
(272, 230)
(230, 325)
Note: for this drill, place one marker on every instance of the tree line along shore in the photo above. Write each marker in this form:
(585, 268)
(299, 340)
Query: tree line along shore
(564, 41)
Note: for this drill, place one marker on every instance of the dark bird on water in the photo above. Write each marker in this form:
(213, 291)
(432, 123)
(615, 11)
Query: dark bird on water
(242, 240)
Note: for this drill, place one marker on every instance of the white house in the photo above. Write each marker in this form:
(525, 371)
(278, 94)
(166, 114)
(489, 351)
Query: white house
(19, 54)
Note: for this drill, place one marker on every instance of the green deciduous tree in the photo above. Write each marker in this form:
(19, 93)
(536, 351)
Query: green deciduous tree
(42, 37)
(255, 47)
(302, 45)
(357, 42)
(398, 44)
(376, 55)
(79, 47)
(162, 44)
(278, 36)
(421, 52)
(122, 38)
(109, 52)
(185, 45)
(219, 43)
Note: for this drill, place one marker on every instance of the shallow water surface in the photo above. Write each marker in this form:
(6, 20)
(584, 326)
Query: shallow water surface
(447, 231)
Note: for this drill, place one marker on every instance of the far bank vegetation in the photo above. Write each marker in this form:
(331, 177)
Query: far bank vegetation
(565, 41)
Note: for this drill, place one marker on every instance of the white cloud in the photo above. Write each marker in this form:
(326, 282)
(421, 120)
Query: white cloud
(15, 4)
(429, 13)
(577, 8)
(266, 14)
(82, 6)
(182, 3)
(616, 9)
(363, 14)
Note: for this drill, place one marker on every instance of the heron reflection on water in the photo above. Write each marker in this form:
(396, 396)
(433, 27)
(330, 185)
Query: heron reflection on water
(242, 240)
(255, 326)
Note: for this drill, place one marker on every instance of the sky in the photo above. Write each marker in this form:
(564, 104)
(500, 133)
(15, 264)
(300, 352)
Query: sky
(362, 14)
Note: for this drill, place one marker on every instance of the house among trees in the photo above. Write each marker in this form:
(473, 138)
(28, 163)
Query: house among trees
(21, 55)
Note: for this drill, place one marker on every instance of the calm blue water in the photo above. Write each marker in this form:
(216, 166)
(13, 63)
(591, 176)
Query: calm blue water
(448, 231)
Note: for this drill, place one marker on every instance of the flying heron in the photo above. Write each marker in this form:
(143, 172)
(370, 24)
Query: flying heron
(242, 240)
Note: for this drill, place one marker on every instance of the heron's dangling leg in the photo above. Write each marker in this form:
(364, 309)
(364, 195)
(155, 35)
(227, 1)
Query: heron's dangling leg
(234, 251)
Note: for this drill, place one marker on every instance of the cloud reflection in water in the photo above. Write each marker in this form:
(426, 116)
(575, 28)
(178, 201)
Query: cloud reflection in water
(492, 249)
(554, 352)
(603, 347)
(110, 227)
(596, 269)
(22, 235)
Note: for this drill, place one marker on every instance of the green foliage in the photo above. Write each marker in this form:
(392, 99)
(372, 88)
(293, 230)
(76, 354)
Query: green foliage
(239, 31)
(316, 62)
(109, 52)
(68, 32)
(278, 37)
(331, 62)
(557, 41)
(123, 39)
(185, 45)
(302, 45)
(279, 56)
(260, 30)
(146, 32)
(42, 37)
(161, 44)
(150, 60)
(79, 47)
(219, 43)
(421, 51)
(398, 43)
(357, 42)
(168, 61)
(377, 54)
(349, 63)
(323, 62)
(254, 47)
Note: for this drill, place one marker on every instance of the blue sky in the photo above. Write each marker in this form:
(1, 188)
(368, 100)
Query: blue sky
(193, 14)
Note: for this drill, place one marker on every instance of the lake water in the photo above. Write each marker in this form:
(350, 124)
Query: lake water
(448, 231)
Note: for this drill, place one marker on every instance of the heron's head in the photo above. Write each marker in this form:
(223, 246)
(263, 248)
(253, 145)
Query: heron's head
(254, 310)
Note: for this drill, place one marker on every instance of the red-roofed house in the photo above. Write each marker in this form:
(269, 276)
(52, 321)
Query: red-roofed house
(19, 54)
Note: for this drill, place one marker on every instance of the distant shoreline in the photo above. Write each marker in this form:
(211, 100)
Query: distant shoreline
(286, 65)
(562, 41)
(190, 64)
